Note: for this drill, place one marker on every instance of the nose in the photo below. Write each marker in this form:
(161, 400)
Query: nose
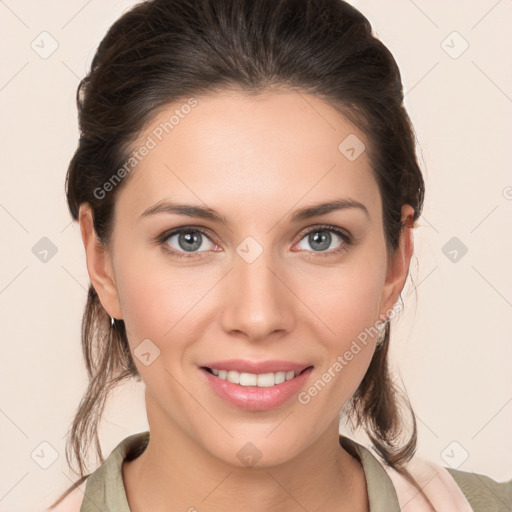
(258, 299)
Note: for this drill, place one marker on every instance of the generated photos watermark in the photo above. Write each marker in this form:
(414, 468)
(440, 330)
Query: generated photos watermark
(344, 359)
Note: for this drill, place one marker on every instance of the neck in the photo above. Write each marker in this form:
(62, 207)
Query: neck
(175, 472)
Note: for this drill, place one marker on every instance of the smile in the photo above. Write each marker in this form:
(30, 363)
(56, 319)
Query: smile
(262, 380)
(256, 385)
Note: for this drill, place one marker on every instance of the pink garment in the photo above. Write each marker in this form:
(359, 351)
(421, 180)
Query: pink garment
(435, 481)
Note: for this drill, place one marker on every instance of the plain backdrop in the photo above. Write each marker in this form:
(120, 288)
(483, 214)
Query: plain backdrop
(451, 346)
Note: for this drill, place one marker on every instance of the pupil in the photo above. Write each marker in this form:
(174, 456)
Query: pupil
(324, 239)
(191, 238)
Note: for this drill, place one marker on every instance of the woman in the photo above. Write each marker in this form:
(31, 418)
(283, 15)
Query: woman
(246, 186)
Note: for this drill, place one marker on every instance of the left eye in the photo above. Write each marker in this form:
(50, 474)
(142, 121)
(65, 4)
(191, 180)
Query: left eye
(321, 239)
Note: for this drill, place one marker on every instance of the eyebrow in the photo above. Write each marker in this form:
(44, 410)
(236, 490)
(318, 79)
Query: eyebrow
(207, 213)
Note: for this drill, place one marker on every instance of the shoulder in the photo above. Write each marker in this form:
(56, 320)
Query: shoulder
(449, 489)
(482, 492)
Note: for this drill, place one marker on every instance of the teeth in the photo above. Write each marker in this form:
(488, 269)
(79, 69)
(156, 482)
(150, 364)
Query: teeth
(262, 380)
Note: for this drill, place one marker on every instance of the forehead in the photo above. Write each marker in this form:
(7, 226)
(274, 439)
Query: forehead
(241, 153)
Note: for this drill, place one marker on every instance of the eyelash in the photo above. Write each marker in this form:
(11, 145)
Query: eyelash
(162, 240)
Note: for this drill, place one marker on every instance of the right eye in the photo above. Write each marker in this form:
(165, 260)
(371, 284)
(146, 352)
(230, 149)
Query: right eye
(184, 242)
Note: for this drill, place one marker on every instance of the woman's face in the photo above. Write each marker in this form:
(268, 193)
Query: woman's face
(264, 284)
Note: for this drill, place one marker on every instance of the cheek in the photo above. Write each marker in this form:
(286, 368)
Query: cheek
(348, 307)
(141, 295)
(150, 291)
(159, 307)
(346, 300)
(165, 305)
(156, 305)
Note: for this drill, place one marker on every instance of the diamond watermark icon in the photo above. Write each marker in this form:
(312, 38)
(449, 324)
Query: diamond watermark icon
(454, 45)
(44, 250)
(351, 147)
(44, 45)
(44, 455)
(249, 249)
(454, 249)
(146, 352)
(454, 455)
(249, 455)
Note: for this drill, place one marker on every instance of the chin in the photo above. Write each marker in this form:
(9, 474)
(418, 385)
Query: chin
(259, 450)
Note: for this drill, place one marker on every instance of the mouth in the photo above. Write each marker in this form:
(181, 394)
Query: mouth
(256, 385)
(256, 391)
(261, 380)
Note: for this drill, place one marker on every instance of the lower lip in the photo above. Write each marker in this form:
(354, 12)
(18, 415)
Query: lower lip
(254, 398)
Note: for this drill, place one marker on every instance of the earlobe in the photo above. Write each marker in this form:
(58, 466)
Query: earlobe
(398, 267)
(99, 264)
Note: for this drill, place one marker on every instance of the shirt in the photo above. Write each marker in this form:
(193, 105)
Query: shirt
(448, 489)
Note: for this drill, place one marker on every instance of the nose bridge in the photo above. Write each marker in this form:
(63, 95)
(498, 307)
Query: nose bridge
(259, 302)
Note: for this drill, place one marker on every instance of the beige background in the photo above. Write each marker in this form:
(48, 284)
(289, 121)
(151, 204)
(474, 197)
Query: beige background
(452, 347)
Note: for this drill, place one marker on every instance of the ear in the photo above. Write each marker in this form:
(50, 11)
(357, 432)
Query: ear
(99, 264)
(398, 266)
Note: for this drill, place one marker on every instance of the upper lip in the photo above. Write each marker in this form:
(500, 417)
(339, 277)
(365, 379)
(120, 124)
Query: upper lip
(257, 367)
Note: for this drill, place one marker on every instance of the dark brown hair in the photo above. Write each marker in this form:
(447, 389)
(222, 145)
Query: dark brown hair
(165, 51)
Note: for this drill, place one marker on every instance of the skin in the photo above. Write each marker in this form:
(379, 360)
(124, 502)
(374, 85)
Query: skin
(256, 160)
